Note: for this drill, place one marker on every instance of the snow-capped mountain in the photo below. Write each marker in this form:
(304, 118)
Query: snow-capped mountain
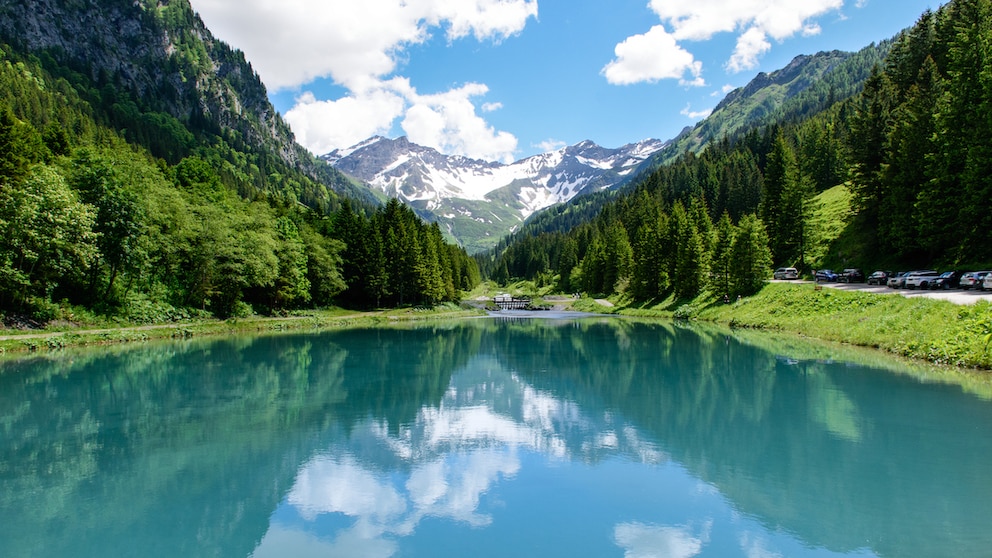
(481, 201)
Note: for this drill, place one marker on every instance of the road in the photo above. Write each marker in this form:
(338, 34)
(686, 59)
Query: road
(956, 296)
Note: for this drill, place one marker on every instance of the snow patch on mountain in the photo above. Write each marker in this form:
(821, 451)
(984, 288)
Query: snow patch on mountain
(415, 173)
(452, 188)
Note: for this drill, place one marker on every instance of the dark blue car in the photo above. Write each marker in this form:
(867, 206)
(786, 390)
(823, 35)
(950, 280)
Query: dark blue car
(826, 275)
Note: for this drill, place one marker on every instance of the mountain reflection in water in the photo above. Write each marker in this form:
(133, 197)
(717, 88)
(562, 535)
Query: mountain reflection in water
(485, 437)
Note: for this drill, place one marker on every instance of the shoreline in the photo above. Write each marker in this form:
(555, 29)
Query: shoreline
(926, 330)
(33, 342)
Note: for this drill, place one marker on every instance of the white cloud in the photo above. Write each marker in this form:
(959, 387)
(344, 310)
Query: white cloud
(485, 19)
(723, 91)
(322, 126)
(448, 122)
(650, 57)
(491, 107)
(659, 54)
(294, 42)
(328, 486)
(695, 115)
(654, 541)
(755, 546)
(550, 145)
(702, 19)
(750, 46)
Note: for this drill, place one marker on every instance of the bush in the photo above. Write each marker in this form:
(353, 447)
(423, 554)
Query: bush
(685, 312)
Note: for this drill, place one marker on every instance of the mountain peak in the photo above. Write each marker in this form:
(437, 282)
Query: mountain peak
(480, 201)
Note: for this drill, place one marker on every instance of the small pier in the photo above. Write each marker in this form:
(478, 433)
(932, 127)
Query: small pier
(507, 302)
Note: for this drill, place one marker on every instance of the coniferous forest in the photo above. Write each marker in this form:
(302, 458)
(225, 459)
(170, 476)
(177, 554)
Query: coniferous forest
(912, 146)
(111, 203)
(114, 200)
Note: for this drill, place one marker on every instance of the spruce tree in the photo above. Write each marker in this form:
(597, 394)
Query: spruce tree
(750, 257)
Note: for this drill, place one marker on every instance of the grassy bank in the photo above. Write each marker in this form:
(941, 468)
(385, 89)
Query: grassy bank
(17, 341)
(932, 330)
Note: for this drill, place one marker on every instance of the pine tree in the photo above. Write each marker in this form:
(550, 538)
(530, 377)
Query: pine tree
(750, 257)
(688, 265)
(964, 135)
(867, 143)
(721, 260)
(913, 203)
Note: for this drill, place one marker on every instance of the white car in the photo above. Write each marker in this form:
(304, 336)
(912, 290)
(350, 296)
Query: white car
(973, 279)
(786, 273)
(987, 282)
(921, 279)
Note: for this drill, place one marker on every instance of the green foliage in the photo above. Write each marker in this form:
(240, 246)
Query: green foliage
(806, 87)
(394, 258)
(47, 241)
(920, 140)
(923, 328)
(750, 257)
(215, 225)
(908, 135)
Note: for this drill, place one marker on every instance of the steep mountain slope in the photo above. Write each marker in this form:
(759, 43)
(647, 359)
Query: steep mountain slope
(808, 84)
(152, 66)
(478, 201)
(145, 177)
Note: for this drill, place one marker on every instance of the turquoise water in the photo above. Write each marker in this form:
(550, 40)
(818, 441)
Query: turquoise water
(487, 438)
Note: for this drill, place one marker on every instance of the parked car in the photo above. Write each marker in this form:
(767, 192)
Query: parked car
(980, 279)
(786, 273)
(947, 280)
(825, 275)
(851, 275)
(897, 281)
(987, 282)
(972, 279)
(879, 277)
(921, 279)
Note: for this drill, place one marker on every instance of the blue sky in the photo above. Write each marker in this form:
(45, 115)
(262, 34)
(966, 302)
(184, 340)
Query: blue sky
(506, 79)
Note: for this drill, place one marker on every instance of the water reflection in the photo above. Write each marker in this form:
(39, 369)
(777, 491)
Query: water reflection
(484, 437)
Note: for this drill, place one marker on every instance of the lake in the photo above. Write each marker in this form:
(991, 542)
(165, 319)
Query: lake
(491, 437)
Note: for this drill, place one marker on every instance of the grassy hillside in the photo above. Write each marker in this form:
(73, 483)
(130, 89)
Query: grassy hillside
(809, 84)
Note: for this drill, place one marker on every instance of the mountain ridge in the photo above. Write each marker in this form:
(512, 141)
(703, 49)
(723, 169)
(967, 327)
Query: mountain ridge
(159, 58)
(808, 83)
(454, 190)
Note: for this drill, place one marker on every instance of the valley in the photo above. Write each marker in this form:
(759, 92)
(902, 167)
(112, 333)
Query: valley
(479, 202)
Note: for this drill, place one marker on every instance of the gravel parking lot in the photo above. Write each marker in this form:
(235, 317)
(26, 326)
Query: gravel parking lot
(956, 296)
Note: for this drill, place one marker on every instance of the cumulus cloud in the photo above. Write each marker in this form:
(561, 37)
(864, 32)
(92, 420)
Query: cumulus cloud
(323, 126)
(650, 57)
(750, 46)
(293, 42)
(448, 122)
(660, 54)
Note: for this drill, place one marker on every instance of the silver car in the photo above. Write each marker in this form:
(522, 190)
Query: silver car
(897, 281)
(786, 273)
(973, 279)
